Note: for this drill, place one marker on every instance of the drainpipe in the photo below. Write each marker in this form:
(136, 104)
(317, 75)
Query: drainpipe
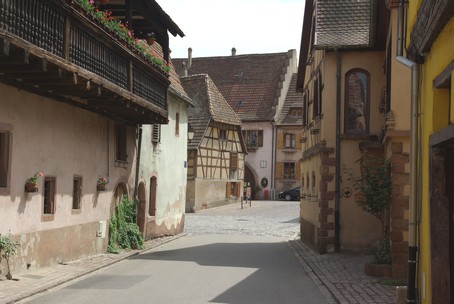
(273, 161)
(338, 146)
(414, 157)
(136, 183)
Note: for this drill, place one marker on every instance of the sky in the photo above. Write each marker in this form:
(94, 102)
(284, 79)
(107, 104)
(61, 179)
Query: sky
(213, 27)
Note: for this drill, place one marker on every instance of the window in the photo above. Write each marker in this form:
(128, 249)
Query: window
(296, 112)
(305, 108)
(49, 195)
(222, 134)
(77, 191)
(120, 143)
(357, 101)
(253, 138)
(152, 201)
(233, 164)
(177, 124)
(289, 170)
(317, 106)
(4, 158)
(290, 140)
(156, 133)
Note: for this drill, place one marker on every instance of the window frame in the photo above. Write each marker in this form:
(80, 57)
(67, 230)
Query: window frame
(177, 124)
(292, 141)
(49, 197)
(247, 134)
(285, 166)
(77, 193)
(5, 157)
(347, 128)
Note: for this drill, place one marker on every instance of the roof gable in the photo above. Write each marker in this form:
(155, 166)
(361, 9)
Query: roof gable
(293, 100)
(209, 105)
(251, 84)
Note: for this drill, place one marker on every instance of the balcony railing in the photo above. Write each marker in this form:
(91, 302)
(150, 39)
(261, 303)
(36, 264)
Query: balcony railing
(60, 30)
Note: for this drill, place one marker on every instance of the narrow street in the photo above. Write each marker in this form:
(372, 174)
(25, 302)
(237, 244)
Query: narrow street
(230, 255)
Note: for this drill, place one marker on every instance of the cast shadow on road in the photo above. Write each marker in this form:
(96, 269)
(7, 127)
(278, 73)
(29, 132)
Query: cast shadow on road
(277, 276)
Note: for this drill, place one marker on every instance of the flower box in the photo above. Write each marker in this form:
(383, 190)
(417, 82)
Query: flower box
(31, 187)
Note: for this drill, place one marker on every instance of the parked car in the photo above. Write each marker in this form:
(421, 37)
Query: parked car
(292, 194)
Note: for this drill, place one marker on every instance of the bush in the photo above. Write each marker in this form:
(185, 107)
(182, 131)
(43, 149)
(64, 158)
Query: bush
(383, 253)
(8, 248)
(123, 230)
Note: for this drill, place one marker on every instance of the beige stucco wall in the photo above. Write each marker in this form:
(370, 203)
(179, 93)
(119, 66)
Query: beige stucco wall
(211, 193)
(166, 161)
(62, 141)
(287, 155)
(358, 229)
(262, 154)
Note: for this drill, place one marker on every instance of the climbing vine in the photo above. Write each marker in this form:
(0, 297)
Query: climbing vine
(123, 230)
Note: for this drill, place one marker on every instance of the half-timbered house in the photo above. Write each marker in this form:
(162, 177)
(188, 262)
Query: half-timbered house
(216, 152)
(75, 90)
(255, 86)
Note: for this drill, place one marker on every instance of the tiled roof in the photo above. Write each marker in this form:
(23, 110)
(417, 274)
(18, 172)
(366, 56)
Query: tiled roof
(209, 105)
(293, 100)
(346, 23)
(250, 83)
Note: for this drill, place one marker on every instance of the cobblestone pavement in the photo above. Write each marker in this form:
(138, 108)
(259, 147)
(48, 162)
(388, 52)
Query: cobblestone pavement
(271, 218)
(339, 276)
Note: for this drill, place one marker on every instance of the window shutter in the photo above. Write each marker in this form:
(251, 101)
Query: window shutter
(280, 140)
(228, 189)
(278, 170)
(233, 161)
(297, 170)
(260, 138)
(156, 133)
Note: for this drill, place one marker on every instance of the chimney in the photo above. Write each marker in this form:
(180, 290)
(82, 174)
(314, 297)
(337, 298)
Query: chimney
(233, 51)
(187, 66)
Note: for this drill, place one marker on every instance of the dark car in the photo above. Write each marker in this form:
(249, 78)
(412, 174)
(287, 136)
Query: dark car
(292, 194)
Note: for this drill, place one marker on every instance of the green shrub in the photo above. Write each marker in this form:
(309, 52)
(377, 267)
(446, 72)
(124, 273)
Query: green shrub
(8, 248)
(123, 230)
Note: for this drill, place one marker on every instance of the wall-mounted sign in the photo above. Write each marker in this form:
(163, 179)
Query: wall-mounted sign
(263, 164)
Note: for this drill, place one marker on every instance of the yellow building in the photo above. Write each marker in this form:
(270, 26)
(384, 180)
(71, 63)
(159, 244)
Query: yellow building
(430, 55)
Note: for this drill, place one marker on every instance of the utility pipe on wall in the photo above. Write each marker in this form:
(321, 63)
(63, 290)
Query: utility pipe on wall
(337, 177)
(414, 156)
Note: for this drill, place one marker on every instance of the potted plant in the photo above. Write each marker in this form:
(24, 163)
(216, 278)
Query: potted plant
(8, 248)
(101, 183)
(30, 183)
(150, 38)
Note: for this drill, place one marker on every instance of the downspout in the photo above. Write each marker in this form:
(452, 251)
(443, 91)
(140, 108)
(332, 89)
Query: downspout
(337, 177)
(136, 182)
(273, 161)
(414, 157)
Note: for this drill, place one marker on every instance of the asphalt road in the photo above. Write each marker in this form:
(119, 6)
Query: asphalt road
(230, 255)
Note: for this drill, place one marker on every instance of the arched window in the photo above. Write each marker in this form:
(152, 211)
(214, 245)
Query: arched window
(357, 87)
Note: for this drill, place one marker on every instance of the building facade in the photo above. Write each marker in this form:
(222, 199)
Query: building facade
(429, 56)
(255, 86)
(216, 153)
(342, 81)
(75, 96)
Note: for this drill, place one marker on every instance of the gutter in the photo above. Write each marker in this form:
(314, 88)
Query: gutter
(337, 177)
(414, 156)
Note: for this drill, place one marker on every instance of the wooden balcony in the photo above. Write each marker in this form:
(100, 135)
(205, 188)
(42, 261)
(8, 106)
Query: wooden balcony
(54, 48)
